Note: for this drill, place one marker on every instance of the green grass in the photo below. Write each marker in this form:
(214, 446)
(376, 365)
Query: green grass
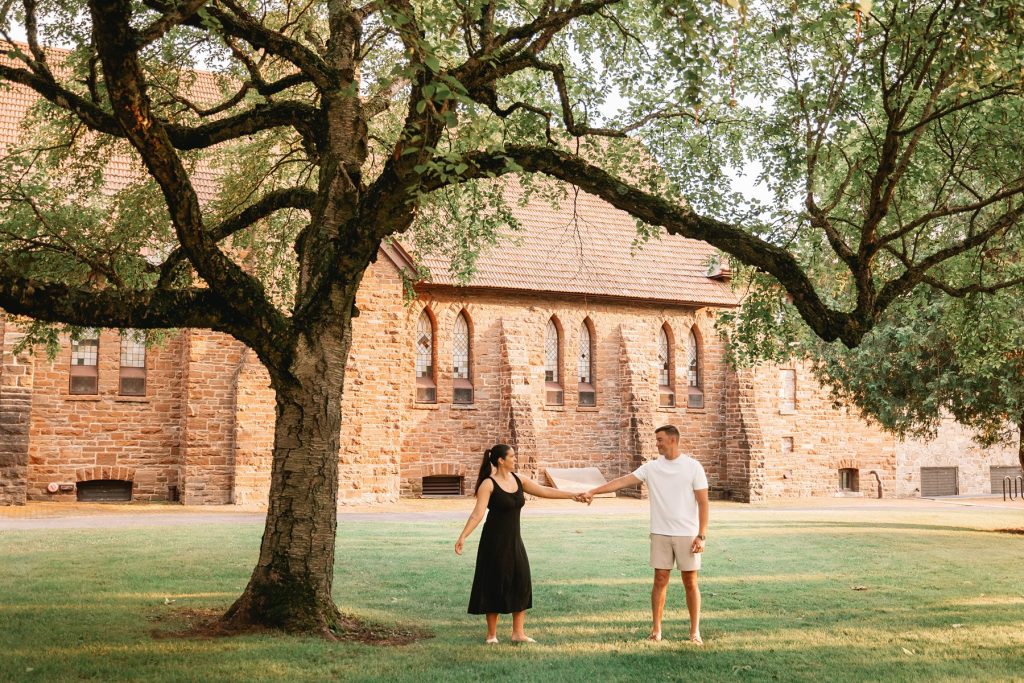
(941, 601)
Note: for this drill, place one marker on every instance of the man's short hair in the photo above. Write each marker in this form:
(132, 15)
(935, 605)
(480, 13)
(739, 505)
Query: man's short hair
(668, 429)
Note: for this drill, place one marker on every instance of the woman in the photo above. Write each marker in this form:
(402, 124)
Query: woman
(501, 584)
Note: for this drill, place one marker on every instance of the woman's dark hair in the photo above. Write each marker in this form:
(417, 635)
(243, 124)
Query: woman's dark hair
(491, 457)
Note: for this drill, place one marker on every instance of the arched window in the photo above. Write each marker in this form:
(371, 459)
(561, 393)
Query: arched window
(587, 393)
(666, 368)
(553, 394)
(462, 379)
(426, 381)
(694, 372)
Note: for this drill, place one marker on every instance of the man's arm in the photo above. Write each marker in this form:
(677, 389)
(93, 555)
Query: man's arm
(613, 485)
(702, 516)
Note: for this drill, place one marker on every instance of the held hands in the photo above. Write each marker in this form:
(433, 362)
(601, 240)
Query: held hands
(585, 497)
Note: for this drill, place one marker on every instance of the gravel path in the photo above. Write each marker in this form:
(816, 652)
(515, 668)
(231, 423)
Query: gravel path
(38, 516)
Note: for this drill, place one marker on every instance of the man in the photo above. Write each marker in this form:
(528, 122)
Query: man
(679, 521)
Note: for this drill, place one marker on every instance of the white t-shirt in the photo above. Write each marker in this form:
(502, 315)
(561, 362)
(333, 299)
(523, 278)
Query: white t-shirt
(671, 484)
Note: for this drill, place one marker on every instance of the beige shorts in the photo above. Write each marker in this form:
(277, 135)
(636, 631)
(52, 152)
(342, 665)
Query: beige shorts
(667, 551)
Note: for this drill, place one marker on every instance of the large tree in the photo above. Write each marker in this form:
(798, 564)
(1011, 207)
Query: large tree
(343, 124)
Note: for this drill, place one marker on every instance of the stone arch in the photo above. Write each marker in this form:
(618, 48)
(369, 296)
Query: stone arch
(115, 472)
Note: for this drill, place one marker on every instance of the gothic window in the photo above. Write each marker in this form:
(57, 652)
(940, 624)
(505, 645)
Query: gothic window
(666, 367)
(462, 383)
(426, 386)
(694, 371)
(553, 394)
(585, 366)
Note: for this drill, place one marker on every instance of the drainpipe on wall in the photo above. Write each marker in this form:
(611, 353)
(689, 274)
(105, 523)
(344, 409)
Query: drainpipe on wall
(878, 480)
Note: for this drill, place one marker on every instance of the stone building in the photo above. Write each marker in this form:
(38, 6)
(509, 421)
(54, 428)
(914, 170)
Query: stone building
(571, 342)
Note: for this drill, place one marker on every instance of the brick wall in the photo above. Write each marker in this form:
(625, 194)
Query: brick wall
(106, 436)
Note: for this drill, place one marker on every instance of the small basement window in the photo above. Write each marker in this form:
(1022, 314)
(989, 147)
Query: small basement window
(848, 480)
(105, 491)
(442, 485)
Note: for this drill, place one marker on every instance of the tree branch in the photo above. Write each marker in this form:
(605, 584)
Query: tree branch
(55, 302)
(174, 16)
(240, 293)
(294, 198)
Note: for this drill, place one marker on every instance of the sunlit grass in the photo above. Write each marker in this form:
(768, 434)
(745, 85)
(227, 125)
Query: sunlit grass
(830, 595)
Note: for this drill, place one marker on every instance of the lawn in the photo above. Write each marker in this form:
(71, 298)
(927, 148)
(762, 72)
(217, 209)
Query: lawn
(789, 595)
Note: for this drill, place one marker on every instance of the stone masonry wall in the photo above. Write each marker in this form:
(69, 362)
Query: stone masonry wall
(823, 439)
(509, 389)
(16, 377)
(952, 447)
(77, 438)
(369, 456)
(208, 463)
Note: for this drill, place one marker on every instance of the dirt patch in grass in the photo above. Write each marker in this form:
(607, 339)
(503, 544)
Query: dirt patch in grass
(355, 629)
(187, 622)
(1016, 530)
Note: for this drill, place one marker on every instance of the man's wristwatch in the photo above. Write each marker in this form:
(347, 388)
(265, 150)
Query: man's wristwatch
(700, 536)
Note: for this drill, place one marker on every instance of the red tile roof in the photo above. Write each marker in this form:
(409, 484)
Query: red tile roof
(122, 170)
(587, 247)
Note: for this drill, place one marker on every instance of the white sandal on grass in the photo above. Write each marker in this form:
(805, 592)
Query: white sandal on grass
(492, 641)
(527, 639)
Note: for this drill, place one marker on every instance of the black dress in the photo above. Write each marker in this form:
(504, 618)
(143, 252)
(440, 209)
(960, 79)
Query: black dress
(501, 583)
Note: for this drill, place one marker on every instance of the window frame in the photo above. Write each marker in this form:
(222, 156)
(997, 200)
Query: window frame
(694, 369)
(586, 388)
(132, 371)
(787, 404)
(463, 384)
(554, 387)
(666, 365)
(91, 370)
(427, 384)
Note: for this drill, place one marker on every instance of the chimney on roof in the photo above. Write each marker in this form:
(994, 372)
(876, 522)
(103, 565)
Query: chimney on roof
(719, 269)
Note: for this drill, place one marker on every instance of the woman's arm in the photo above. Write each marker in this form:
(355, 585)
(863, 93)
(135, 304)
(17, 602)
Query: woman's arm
(483, 494)
(613, 485)
(535, 489)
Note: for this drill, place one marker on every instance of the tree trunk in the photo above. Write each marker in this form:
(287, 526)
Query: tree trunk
(290, 588)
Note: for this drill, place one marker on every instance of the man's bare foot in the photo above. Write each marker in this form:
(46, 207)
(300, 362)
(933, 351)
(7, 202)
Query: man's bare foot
(696, 639)
(655, 636)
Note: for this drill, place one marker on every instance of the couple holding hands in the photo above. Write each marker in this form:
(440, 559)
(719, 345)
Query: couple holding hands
(678, 490)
